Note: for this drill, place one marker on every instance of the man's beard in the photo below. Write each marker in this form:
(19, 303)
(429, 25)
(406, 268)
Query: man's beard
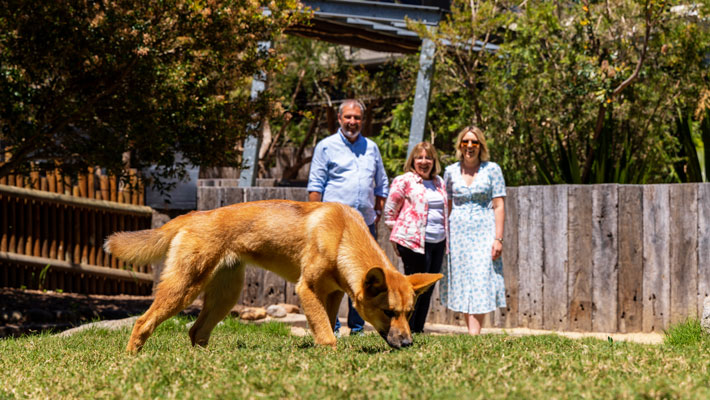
(350, 135)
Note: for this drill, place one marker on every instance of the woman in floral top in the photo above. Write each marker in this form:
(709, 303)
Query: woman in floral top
(416, 211)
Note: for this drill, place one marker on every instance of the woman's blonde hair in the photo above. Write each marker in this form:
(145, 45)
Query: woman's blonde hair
(483, 152)
(430, 151)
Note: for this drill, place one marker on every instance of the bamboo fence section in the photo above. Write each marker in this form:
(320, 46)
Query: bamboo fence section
(53, 228)
(603, 258)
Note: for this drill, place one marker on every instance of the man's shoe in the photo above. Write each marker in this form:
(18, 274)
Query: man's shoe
(357, 333)
(337, 334)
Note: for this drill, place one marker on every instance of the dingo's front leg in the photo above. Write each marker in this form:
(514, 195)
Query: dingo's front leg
(316, 314)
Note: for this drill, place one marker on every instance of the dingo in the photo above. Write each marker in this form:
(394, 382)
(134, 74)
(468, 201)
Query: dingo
(325, 247)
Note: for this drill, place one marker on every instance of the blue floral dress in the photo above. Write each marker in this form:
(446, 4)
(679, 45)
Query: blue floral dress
(473, 282)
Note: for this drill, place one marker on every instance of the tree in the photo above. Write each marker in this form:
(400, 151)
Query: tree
(578, 92)
(306, 94)
(82, 83)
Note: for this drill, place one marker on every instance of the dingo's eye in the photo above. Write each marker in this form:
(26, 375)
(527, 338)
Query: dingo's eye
(388, 313)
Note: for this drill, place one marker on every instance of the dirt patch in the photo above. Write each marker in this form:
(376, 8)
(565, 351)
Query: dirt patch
(32, 311)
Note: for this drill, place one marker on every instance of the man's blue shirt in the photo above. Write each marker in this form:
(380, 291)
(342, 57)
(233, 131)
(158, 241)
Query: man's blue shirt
(349, 173)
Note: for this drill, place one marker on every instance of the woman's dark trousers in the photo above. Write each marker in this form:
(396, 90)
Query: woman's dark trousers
(429, 262)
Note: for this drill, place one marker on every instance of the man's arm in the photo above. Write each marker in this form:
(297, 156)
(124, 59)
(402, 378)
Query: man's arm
(379, 206)
(318, 175)
(314, 196)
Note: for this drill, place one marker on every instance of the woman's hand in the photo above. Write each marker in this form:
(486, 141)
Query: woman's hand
(497, 249)
(394, 246)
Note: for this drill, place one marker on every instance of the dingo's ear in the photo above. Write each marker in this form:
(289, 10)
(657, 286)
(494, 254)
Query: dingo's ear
(375, 282)
(422, 282)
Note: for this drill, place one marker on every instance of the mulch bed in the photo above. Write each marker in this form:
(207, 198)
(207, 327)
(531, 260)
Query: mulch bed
(25, 312)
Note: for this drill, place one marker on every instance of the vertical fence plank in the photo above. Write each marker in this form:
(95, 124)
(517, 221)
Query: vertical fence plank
(656, 274)
(69, 237)
(60, 237)
(703, 245)
(683, 256)
(53, 237)
(45, 235)
(35, 220)
(90, 179)
(530, 259)
(5, 225)
(605, 214)
(509, 316)
(630, 227)
(580, 257)
(555, 301)
(27, 222)
(252, 293)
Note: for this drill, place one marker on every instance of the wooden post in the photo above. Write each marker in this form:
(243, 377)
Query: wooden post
(77, 235)
(51, 182)
(103, 182)
(91, 237)
(53, 231)
(630, 312)
(5, 225)
(703, 244)
(113, 187)
(133, 186)
(555, 297)
(68, 189)
(99, 238)
(83, 189)
(604, 262)
(61, 238)
(683, 257)
(29, 238)
(34, 179)
(530, 267)
(60, 181)
(511, 276)
(90, 191)
(579, 245)
(44, 252)
(12, 228)
(656, 255)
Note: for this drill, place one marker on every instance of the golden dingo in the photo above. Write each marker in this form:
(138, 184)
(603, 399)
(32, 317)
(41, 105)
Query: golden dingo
(325, 247)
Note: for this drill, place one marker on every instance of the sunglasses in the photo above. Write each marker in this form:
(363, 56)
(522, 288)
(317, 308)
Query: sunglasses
(471, 143)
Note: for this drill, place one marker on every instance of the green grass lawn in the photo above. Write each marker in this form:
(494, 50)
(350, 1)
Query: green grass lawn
(250, 361)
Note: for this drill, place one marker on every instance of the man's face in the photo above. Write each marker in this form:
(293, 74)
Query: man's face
(351, 119)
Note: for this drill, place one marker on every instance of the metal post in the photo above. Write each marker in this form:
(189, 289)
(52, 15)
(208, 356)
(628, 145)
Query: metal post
(250, 155)
(422, 94)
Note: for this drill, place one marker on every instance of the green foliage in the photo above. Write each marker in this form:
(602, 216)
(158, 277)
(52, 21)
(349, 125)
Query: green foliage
(316, 77)
(687, 333)
(579, 92)
(83, 82)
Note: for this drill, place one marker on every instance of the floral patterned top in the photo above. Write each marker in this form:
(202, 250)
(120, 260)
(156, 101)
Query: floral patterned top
(406, 210)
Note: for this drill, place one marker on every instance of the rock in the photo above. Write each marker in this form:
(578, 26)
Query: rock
(276, 311)
(705, 320)
(253, 313)
(290, 308)
(16, 316)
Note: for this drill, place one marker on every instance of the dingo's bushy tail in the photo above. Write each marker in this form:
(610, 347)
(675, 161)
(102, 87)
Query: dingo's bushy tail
(143, 247)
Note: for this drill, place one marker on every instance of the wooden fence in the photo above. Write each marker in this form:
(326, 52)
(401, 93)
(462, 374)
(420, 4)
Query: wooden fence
(53, 231)
(606, 258)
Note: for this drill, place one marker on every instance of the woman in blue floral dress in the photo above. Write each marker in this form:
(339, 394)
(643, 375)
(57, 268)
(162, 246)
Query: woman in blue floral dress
(473, 282)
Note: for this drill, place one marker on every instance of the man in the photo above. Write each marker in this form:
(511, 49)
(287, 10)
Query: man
(347, 168)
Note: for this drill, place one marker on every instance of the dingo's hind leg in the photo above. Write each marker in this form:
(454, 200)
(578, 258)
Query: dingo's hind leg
(172, 295)
(332, 305)
(221, 294)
